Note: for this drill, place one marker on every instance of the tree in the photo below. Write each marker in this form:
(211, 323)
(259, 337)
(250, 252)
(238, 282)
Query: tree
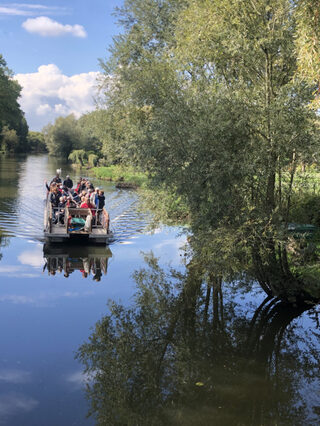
(78, 156)
(11, 115)
(308, 42)
(63, 136)
(9, 140)
(36, 142)
(212, 106)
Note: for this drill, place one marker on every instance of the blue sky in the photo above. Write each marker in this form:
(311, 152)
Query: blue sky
(53, 47)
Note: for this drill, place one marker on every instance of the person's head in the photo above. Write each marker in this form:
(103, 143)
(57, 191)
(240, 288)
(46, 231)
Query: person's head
(101, 192)
(61, 199)
(83, 198)
(68, 177)
(97, 189)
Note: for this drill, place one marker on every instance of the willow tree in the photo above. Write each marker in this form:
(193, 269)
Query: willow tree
(64, 136)
(308, 42)
(215, 109)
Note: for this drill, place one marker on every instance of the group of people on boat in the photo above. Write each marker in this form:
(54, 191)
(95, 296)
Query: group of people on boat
(62, 194)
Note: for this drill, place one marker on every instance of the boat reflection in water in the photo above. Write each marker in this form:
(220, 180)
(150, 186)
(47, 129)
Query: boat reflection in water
(90, 261)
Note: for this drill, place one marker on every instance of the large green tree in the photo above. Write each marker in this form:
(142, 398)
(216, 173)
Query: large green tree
(63, 136)
(207, 97)
(11, 115)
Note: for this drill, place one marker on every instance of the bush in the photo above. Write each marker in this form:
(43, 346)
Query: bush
(306, 209)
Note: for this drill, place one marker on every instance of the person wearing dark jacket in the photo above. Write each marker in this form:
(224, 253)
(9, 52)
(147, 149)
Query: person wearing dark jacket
(56, 179)
(68, 182)
(100, 203)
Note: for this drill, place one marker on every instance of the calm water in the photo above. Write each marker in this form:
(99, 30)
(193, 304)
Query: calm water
(175, 355)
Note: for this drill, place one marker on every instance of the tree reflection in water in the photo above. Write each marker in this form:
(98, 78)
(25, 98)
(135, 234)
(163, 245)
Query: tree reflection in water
(69, 258)
(189, 352)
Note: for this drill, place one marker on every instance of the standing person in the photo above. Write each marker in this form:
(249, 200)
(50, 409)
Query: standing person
(101, 199)
(68, 182)
(57, 178)
(54, 199)
(94, 196)
(100, 203)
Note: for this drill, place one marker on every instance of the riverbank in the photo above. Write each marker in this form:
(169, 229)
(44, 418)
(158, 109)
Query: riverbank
(124, 177)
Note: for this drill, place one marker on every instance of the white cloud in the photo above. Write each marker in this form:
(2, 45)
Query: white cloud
(7, 10)
(79, 379)
(13, 403)
(48, 93)
(15, 376)
(25, 9)
(47, 27)
(32, 257)
(43, 109)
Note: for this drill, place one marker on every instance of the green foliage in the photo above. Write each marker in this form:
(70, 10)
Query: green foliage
(11, 117)
(88, 125)
(306, 209)
(93, 160)
(120, 173)
(308, 42)
(63, 136)
(207, 99)
(166, 207)
(9, 140)
(78, 156)
(36, 142)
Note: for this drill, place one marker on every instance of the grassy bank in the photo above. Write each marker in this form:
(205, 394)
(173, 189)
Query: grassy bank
(120, 174)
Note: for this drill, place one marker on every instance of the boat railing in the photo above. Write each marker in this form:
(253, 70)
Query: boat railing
(60, 215)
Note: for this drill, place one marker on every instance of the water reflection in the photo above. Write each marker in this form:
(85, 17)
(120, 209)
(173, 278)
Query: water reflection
(192, 351)
(90, 261)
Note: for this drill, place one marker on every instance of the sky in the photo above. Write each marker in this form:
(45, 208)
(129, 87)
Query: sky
(53, 47)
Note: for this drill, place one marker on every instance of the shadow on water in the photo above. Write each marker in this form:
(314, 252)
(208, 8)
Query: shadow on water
(89, 260)
(193, 351)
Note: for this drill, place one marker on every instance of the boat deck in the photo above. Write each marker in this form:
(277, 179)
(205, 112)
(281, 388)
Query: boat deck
(96, 232)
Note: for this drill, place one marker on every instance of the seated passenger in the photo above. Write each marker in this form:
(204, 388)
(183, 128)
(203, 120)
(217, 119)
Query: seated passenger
(87, 205)
(71, 202)
(61, 209)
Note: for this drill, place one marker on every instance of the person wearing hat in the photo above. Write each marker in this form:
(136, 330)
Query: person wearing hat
(68, 182)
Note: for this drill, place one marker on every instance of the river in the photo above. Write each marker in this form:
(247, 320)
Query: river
(157, 353)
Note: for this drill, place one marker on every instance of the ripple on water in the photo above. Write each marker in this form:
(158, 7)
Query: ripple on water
(23, 217)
